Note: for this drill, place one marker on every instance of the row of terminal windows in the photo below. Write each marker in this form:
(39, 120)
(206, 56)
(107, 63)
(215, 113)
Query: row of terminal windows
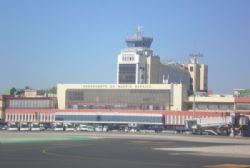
(201, 106)
(111, 96)
(127, 73)
(117, 106)
(30, 104)
(176, 119)
(127, 58)
(103, 118)
(243, 106)
(29, 117)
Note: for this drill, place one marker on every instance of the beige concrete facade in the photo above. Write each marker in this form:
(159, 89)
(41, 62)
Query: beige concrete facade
(199, 76)
(150, 69)
(153, 74)
(212, 103)
(177, 91)
(203, 77)
(166, 73)
(210, 99)
(30, 93)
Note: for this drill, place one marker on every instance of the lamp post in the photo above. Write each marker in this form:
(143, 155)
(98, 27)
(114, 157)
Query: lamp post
(194, 104)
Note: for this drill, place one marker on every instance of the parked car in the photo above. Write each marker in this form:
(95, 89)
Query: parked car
(82, 127)
(58, 127)
(133, 130)
(99, 128)
(105, 128)
(35, 127)
(3, 126)
(24, 127)
(12, 127)
(69, 127)
(91, 129)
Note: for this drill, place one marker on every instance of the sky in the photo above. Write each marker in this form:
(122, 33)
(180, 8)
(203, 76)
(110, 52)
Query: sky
(43, 43)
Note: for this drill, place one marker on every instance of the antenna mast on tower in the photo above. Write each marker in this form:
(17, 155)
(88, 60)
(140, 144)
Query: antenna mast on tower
(193, 57)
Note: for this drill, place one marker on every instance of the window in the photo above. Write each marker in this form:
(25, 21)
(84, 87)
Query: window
(104, 118)
(119, 99)
(191, 69)
(127, 73)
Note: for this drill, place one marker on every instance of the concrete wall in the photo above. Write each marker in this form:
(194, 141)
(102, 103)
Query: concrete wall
(179, 96)
(203, 77)
(199, 76)
(153, 73)
(212, 99)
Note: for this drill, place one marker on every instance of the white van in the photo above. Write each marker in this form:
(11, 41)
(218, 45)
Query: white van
(24, 127)
(99, 128)
(69, 127)
(12, 127)
(58, 127)
(35, 127)
(82, 127)
(90, 128)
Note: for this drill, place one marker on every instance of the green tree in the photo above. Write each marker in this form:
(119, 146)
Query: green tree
(13, 91)
(27, 88)
(20, 92)
(53, 90)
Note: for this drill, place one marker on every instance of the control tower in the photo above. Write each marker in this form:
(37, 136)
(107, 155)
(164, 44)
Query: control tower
(137, 64)
(138, 40)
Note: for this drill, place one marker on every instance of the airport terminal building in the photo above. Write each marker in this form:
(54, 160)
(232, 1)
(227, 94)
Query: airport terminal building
(148, 91)
(121, 96)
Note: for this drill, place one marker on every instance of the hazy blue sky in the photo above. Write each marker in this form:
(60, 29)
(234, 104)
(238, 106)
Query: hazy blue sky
(46, 42)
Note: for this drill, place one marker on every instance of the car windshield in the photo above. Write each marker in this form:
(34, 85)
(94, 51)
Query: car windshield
(12, 126)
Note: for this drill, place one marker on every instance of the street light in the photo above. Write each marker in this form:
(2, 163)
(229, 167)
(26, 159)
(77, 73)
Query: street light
(194, 94)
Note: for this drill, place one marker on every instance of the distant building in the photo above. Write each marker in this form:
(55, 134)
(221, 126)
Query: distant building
(242, 92)
(198, 73)
(148, 91)
(138, 65)
(30, 102)
(27, 108)
(242, 100)
(222, 103)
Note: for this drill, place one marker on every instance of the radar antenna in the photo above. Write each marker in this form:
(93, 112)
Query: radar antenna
(193, 57)
(139, 31)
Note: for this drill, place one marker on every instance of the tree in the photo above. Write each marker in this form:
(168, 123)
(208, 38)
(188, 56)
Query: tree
(27, 88)
(52, 90)
(13, 91)
(20, 92)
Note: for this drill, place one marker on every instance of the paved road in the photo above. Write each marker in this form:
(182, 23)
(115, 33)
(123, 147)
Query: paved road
(115, 150)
